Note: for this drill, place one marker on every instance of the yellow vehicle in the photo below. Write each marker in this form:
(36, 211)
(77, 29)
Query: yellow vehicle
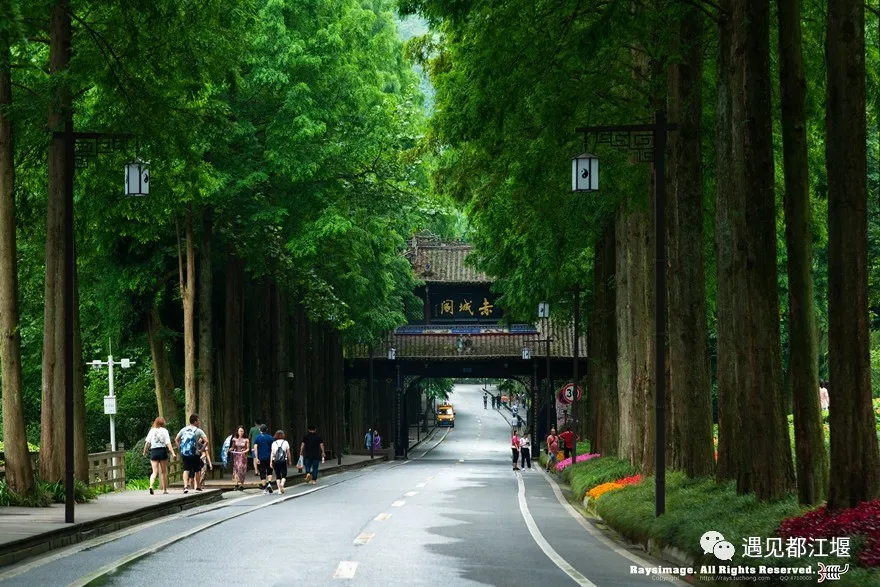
(445, 415)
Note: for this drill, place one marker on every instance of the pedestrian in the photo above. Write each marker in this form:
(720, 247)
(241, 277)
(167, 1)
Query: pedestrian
(525, 451)
(252, 434)
(311, 449)
(187, 441)
(377, 441)
(206, 462)
(824, 400)
(552, 445)
(263, 457)
(568, 441)
(514, 449)
(239, 448)
(159, 442)
(485, 400)
(280, 458)
(368, 440)
(515, 409)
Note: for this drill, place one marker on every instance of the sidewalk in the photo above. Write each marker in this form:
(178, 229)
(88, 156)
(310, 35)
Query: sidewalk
(26, 532)
(252, 481)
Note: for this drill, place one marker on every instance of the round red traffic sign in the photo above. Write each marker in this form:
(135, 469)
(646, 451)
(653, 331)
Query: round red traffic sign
(566, 394)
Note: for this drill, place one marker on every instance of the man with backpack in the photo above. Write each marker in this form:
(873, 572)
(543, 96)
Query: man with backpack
(188, 442)
(263, 457)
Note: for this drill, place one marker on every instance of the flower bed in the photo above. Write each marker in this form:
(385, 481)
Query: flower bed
(602, 489)
(632, 480)
(580, 458)
(861, 523)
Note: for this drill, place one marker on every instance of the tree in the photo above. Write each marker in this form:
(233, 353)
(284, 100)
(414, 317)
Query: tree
(855, 464)
(689, 391)
(811, 460)
(19, 473)
(187, 279)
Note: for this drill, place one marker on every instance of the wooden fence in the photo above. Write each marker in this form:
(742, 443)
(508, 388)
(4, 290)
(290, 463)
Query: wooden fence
(108, 468)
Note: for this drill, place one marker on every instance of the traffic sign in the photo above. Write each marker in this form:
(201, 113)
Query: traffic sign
(566, 394)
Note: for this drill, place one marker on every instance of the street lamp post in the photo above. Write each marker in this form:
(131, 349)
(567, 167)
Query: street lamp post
(543, 314)
(372, 428)
(574, 403)
(110, 400)
(94, 143)
(649, 140)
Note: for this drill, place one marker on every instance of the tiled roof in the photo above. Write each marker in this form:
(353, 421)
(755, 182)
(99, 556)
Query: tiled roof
(444, 263)
(489, 343)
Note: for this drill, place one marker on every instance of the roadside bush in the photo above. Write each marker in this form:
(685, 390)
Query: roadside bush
(81, 492)
(38, 498)
(584, 476)
(137, 466)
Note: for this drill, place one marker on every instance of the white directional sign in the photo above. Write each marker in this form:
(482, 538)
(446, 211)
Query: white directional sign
(110, 404)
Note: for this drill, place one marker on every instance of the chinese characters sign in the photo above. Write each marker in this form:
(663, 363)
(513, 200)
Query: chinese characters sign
(465, 307)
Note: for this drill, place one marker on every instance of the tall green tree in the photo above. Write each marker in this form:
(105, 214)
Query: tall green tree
(855, 463)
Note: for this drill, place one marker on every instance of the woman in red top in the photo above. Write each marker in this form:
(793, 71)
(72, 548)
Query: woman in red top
(514, 448)
(568, 439)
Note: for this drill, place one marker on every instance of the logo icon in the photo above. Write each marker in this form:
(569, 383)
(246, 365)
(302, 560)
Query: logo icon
(831, 572)
(715, 543)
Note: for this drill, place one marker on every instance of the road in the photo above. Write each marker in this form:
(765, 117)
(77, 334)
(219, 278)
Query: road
(455, 513)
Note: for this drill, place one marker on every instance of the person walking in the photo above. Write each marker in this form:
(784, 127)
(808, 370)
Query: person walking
(824, 399)
(252, 435)
(187, 441)
(377, 441)
(239, 448)
(525, 451)
(311, 449)
(368, 440)
(485, 400)
(263, 457)
(514, 449)
(552, 445)
(280, 458)
(207, 465)
(159, 442)
(567, 438)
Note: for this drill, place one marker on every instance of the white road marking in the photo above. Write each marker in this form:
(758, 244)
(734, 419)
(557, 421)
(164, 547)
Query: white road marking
(398, 503)
(539, 539)
(83, 581)
(601, 537)
(382, 517)
(421, 484)
(411, 493)
(345, 570)
(363, 538)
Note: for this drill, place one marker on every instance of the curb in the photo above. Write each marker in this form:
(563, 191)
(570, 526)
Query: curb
(19, 550)
(427, 437)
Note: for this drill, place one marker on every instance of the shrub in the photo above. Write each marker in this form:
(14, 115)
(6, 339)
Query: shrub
(137, 465)
(81, 492)
(584, 476)
(38, 498)
(137, 484)
(859, 522)
(565, 463)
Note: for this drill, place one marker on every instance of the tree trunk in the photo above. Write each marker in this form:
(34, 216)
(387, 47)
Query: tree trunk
(281, 344)
(19, 472)
(206, 330)
(54, 312)
(603, 335)
(855, 464)
(188, 297)
(233, 413)
(811, 460)
(727, 212)
(300, 370)
(690, 385)
(162, 377)
(763, 468)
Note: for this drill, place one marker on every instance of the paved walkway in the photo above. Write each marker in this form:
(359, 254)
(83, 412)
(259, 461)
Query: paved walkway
(252, 480)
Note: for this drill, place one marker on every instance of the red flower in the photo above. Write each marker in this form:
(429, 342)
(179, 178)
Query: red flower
(863, 520)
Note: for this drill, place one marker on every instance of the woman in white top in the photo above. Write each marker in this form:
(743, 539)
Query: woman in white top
(525, 451)
(159, 442)
(280, 448)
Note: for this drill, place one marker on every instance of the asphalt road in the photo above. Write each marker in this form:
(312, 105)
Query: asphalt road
(455, 513)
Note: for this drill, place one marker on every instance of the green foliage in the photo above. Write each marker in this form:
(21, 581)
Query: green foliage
(437, 388)
(136, 464)
(81, 492)
(140, 484)
(584, 476)
(40, 497)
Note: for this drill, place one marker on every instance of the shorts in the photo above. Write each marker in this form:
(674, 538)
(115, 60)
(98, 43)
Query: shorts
(192, 463)
(263, 469)
(160, 453)
(551, 456)
(280, 468)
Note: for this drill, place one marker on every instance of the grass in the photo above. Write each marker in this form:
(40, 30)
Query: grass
(695, 506)
(138, 484)
(584, 476)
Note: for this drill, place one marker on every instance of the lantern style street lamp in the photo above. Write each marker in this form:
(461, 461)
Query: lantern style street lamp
(526, 354)
(137, 178)
(585, 173)
(392, 354)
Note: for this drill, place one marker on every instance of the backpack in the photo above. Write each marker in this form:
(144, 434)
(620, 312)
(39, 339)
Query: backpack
(188, 442)
(280, 454)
